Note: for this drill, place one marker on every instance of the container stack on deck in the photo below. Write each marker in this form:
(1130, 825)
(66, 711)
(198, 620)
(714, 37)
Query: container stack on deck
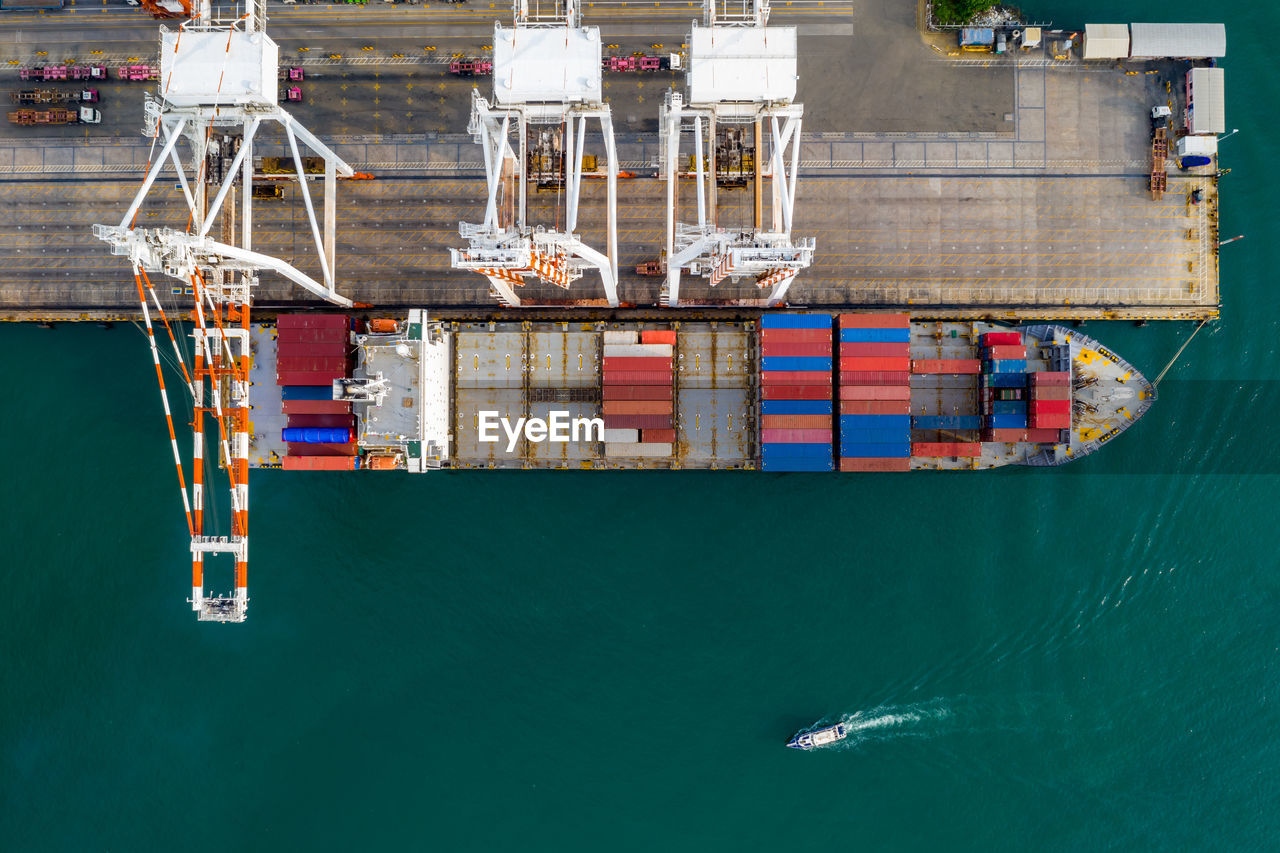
(1050, 405)
(312, 350)
(637, 392)
(1004, 383)
(795, 392)
(875, 392)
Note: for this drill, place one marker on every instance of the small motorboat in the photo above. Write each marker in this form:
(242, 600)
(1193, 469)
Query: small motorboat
(819, 737)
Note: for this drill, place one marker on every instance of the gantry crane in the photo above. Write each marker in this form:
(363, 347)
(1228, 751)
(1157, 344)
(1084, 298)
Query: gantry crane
(741, 78)
(546, 85)
(218, 88)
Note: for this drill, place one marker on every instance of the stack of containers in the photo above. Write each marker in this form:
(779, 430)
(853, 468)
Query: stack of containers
(637, 392)
(795, 392)
(1004, 368)
(1050, 406)
(312, 350)
(875, 392)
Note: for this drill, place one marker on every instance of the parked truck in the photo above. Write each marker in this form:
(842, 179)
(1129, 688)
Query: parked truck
(57, 115)
(54, 96)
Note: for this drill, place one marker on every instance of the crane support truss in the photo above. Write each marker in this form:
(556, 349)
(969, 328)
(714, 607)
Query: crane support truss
(220, 121)
(546, 75)
(741, 74)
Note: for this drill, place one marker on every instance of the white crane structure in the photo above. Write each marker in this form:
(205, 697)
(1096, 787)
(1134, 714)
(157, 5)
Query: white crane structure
(218, 87)
(546, 83)
(741, 78)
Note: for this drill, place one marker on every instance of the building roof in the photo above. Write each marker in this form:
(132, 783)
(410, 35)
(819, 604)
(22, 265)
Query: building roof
(1197, 41)
(546, 64)
(1106, 41)
(218, 68)
(755, 64)
(1208, 109)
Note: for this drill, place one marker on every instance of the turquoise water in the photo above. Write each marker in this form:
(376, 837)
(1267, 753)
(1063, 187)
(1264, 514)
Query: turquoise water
(1082, 659)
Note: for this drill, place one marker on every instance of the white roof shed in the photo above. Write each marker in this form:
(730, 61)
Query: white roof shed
(1207, 110)
(210, 68)
(1190, 41)
(1106, 41)
(547, 64)
(742, 64)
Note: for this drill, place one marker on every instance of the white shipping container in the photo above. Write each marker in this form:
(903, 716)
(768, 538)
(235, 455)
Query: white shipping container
(614, 337)
(622, 436)
(654, 449)
(638, 350)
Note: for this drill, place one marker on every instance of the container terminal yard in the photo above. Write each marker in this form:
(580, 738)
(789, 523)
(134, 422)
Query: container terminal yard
(659, 257)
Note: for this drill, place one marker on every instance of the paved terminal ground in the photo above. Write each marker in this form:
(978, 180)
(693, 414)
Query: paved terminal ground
(1000, 187)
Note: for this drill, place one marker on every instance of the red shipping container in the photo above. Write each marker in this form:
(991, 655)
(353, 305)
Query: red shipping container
(658, 436)
(344, 421)
(875, 392)
(795, 436)
(785, 350)
(318, 463)
(896, 365)
(1050, 392)
(312, 336)
(874, 377)
(314, 365)
(947, 365)
(795, 392)
(313, 321)
(1015, 434)
(299, 377)
(992, 339)
(637, 422)
(637, 392)
(796, 377)
(311, 350)
(875, 407)
(322, 449)
(1043, 436)
(875, 349)
(1051, 377)
(1050, 407)
(637, 407)
(638, 377)
(1007, 351)
(658, 336)
(316, 407)
(654, 363)
(946, 448)
(875, 463)
(1053, 421)
(875, 321)
(795, 421)
(795, 336)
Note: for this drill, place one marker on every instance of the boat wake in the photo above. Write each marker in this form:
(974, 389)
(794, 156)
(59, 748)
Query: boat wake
(940, 717)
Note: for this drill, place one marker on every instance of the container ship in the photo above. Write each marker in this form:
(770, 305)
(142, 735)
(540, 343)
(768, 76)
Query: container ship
(783, 392)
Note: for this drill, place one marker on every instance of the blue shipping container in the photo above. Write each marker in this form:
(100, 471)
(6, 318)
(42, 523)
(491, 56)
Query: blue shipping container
(947, 422)
(1007, 365)
(875, 336)
(1009, 407)
(902, 422)
(795, 362)
(1008, 421)
(792, 407)
(1005, 380)
(316, 435)
(873, 436)
(797, 463)
(795, 321)
(882, 451)
(779, 451)
(306, 392)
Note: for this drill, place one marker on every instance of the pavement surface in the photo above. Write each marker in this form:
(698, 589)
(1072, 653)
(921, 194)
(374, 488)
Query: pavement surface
(972, 186)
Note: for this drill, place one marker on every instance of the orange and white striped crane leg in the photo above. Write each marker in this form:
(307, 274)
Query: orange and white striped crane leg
(723, 267)
(501, 281)
(780, 280)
